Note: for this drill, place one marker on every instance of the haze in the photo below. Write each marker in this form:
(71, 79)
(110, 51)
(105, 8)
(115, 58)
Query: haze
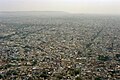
(73, 6)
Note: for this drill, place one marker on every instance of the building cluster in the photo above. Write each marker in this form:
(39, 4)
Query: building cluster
(60, 48)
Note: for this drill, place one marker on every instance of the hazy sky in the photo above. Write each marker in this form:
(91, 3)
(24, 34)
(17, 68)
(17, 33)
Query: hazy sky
(74, 6)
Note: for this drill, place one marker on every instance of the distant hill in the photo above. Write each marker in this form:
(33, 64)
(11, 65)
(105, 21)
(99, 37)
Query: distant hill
(33, 13)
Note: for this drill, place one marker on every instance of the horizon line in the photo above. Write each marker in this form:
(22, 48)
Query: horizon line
(62, 11)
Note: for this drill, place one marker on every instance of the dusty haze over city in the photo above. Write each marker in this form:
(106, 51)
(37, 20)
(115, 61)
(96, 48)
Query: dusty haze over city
(73, 6)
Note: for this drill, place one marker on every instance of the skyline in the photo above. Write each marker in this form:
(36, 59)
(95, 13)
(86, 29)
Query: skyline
(72, 6)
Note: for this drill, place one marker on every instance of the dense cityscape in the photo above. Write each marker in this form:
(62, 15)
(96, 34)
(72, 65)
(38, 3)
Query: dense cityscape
(39, 46)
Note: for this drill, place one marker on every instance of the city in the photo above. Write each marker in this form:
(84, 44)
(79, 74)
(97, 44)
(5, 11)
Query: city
(59, 47)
